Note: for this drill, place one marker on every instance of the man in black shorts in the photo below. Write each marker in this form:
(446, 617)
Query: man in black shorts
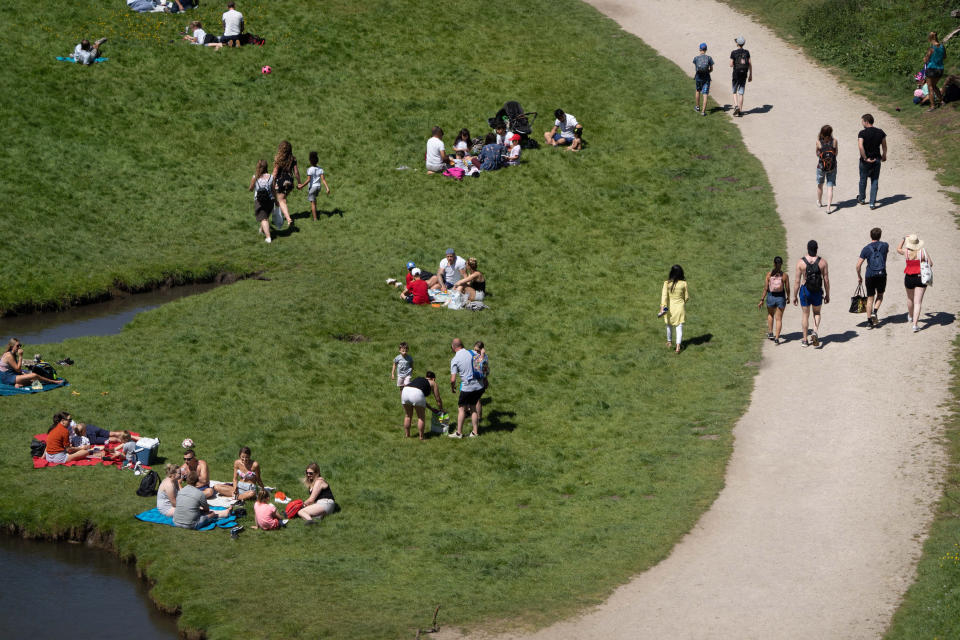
(742, 74)
(875, 255)
(471, 388)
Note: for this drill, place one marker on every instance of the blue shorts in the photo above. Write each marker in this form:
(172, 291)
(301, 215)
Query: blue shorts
(562, 139)
(703, 85)
(809, 298)
(776, 301)
(830, 178)
(8, 377)
(96, 435)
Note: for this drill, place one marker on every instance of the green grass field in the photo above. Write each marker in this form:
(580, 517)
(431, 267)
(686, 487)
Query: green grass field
(876, 46)
(599, 447)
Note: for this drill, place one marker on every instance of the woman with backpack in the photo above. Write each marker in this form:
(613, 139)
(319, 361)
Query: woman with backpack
(673, 302)
(919, 264)
(264, 196)
(776, 291)
(933, 64)
(826, 165)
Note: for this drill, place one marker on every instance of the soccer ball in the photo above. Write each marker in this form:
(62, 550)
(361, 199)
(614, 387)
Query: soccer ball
(266, 69)
(187, 443)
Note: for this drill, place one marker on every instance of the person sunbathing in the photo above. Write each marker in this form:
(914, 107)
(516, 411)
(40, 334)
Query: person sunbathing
(246, 478)
(192, 464)
(11, 368)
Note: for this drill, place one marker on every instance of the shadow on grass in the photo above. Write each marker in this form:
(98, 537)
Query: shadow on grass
(306, 215)
(498, 421)
(288, 231)
(701, 339)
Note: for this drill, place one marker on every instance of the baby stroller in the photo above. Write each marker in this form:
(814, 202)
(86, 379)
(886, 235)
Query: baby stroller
(516, 119)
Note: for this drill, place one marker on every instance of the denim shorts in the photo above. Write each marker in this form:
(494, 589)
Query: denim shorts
(776, 301)
(830, 178)
(809, 298)
(703, 85)
(558, 137)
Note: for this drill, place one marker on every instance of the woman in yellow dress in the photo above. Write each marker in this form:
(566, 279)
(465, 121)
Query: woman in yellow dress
(673, 301)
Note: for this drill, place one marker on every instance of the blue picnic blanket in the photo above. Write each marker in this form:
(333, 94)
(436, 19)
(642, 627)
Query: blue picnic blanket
(154, 516)
(73, 60)
(10, 390)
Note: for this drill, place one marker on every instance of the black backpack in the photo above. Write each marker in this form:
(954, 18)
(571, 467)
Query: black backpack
(149, 484)
(741, 61)
(814, 279)
(37, 448)
(828, 157)
(264, 197)
(43, 369)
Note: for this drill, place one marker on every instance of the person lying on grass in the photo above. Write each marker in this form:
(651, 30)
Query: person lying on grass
(168, 490)
(320, 502)
(87, 54)
(11, 368)
(266, 513)
(246, 478)
(58, 449)
(95, 435)
(191, 463)
(201, 37)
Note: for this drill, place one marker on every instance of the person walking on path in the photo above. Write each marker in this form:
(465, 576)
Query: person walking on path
(812, 286)
(703, 65)
(776, 290)
(471, 388)
(742, 74)
(673, 303)
(873, 150)
(933, 63)
(826, 165)
(911, 248)
(875, 255)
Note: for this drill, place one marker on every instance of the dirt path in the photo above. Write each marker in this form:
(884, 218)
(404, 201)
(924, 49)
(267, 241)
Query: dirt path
(836, 463)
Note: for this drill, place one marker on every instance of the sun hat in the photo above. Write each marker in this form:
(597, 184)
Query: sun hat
(415, 272)
(451, 252)
(410, 265)
(703, 46)
(913, 242)
(740, 40)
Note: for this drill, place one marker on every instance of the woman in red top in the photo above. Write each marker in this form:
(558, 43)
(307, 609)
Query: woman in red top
(911, 247)
(58, 448)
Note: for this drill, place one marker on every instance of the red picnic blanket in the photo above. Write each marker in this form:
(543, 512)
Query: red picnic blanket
(41, 462)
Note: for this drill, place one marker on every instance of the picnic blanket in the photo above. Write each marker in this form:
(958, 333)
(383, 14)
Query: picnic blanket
(41, 462)
(74, 60)
(155, 517)
(10, 390)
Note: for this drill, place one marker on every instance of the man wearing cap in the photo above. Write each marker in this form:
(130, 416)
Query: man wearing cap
(742, 74)
(416, 291)
(703, 65)
(452, 268)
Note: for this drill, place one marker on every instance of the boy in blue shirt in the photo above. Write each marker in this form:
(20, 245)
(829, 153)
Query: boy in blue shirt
(703, 65)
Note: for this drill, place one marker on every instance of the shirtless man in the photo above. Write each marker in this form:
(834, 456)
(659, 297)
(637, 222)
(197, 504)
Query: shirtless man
(192, 464)
(813, 292)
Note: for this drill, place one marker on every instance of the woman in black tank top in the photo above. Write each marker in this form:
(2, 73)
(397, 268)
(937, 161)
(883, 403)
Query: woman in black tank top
(475, 284)
(414, 396)
(320, 502)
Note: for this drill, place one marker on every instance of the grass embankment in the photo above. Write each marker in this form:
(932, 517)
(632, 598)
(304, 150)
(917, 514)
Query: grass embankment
(599, 447)
(876, 47)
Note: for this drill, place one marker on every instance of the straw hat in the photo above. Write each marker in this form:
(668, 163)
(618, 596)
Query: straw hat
(913, 242)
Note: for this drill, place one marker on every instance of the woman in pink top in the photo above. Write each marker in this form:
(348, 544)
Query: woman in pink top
(911, 247)
(266, 513)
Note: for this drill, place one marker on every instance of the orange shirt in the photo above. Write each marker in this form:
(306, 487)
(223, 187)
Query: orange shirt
(58, 440)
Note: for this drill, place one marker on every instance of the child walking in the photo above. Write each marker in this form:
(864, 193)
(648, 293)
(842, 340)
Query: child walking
(316, 179)
(266, 513)
(402, 366)
(264, 197)
(673, 299)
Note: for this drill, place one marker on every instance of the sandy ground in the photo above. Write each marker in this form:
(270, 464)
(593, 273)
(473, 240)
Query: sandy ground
(837, 463)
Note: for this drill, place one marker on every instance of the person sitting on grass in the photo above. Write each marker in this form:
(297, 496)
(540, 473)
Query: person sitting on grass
(474, 284)
(127, 451)
(451, 269)
(11, 368)
(577, 143)
(201, 37)
(192, 510)
(436, 157)
(85, 53)
(563, 128)
(463, 141)
(315, 179)
(168, 490)
(417, 292)
(320, 502)
(191, 463)
(266, 513)
(246, 478)
(58, 449)
(491, 155)
(513, 151)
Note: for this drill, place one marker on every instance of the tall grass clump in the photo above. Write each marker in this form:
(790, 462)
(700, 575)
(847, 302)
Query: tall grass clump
(596, 444)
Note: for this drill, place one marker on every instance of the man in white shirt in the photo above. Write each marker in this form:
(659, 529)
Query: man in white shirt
(232, 26)
(452, 268)
(563, 129)
(436, 157)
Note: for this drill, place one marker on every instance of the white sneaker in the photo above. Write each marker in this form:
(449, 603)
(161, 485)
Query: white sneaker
(473, 435)
(454, 434)
(268, 240)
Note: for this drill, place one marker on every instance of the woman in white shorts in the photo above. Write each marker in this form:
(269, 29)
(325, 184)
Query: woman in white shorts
(414, 396)
(321, 502)
(475, 284)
